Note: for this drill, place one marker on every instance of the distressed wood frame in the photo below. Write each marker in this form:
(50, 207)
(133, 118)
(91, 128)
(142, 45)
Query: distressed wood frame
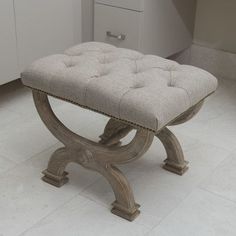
(103, 156)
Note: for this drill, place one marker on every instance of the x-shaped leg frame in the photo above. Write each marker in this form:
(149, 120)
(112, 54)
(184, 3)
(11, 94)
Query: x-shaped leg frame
(103, 157)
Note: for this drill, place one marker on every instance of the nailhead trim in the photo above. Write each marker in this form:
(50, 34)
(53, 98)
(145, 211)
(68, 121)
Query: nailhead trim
(111, 116)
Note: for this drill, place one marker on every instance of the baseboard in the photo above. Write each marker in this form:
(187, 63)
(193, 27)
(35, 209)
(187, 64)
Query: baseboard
(220, 63)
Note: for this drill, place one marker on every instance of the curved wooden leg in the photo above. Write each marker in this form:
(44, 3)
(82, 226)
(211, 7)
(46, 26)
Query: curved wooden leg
(124, 205)
(175, 158)
(55, 174)
(188, 115)
(95, 156)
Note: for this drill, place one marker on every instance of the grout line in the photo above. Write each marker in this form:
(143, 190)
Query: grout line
(63, 204)
(171, 212)
(215, 168)
(196, 188)
(34, 156)
(217, 195)
(204, 142)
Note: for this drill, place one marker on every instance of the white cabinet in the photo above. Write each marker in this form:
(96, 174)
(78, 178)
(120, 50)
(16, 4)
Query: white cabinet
(8, 55)
(45, 27)
(137, 5)
(124, 22)
(30, 29)
(162, 27)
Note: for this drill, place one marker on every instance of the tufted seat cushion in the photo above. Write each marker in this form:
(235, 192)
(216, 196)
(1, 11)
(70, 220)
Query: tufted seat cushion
(142, 89)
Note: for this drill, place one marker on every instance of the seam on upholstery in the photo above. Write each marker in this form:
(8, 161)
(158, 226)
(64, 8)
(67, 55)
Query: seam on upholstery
(171, 78)
(135, 125)
(190, 103)
(136, 65)
(86, 88)
(156, 122)
(171, 83)
(121, 101)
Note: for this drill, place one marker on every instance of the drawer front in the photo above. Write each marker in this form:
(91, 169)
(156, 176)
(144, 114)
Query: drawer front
(117, 26)
(137, 5)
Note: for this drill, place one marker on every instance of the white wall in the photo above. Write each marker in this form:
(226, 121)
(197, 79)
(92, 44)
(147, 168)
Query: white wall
(215, 25)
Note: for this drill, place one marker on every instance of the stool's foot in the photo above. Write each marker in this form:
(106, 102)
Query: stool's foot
(125, 205)
(175, 168)
(55, 174)
(57, 181)
(175, 158)
(123, 213)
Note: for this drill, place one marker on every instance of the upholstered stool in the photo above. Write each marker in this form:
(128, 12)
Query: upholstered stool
(145, 93)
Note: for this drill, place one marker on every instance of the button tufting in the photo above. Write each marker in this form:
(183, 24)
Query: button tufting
(79, 54)
(103, 62)
(127, 78)
(69, 64)
(137, 86)
(171, 85)
(104, 73)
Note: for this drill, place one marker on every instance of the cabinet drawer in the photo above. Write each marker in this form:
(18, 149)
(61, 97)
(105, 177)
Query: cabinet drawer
(137, 5)
(117, 26)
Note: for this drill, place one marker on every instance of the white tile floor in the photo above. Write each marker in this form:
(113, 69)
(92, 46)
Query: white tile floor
(201, 203)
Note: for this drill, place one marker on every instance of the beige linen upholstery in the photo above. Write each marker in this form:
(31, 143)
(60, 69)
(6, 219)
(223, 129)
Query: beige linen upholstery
(143, 89)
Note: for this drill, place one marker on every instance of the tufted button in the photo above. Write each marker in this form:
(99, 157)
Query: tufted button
(103, 62)
(69, 64)
(104, 73)
(78, 54)
(171, 85)
(137, 86)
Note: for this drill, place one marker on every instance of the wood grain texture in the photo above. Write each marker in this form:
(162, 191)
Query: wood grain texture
(175, 158)
(175, 162)
(94, 156)
(103, 156)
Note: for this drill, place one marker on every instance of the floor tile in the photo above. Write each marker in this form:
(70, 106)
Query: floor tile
(36, 208)
(25, 198)
(201, 214)
(7, 117)
(25, 138)
(218, 131)
(223, 180)
(5, 164)
(82, 217)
